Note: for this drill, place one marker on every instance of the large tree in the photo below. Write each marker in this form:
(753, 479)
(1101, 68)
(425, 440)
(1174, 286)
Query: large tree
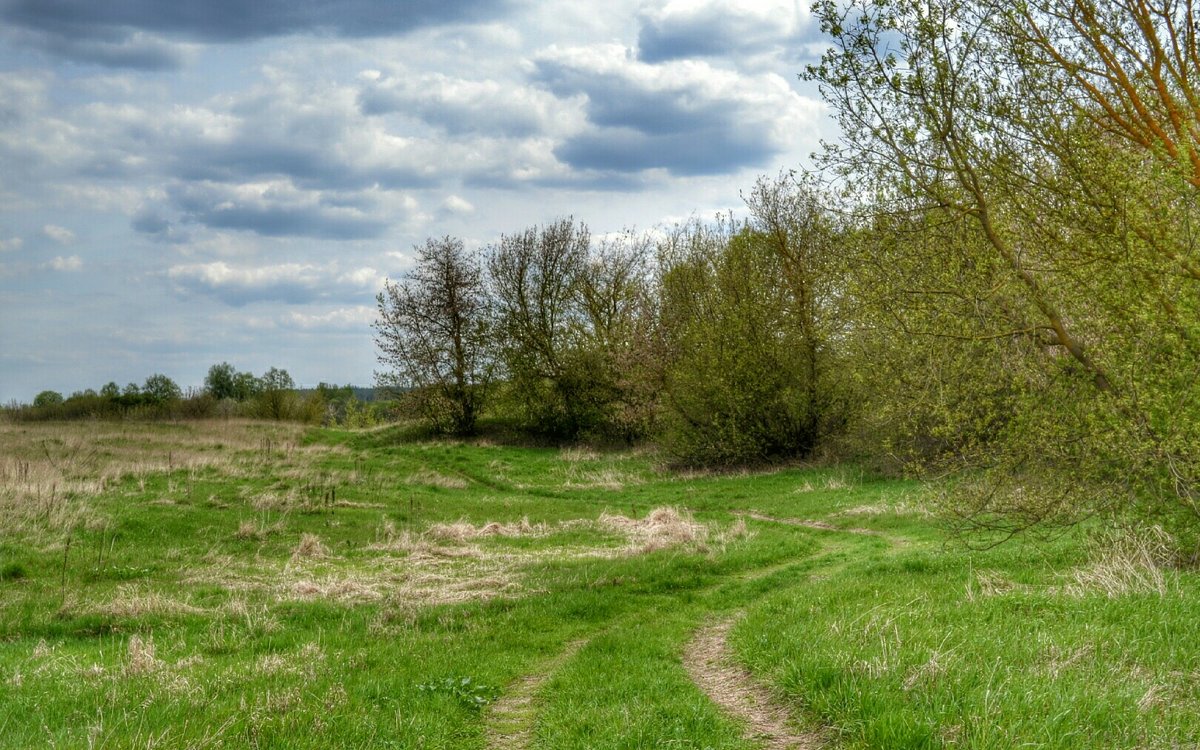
(434, 335)
(553, 377)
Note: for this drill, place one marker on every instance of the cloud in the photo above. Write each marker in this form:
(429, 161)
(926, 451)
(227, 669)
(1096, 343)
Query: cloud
(11, 245)
(61, 235)
(456, 206)
(121, 49)
(723, 28)
(290, 283)
(685, 117)
(271, 209)
(458, 105)
(357, 318)
(68, 264)
(135, 33)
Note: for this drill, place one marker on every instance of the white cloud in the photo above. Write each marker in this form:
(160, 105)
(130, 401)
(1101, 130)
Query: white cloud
(357, 318)
(68, 264)
(457, 206)
(11, 245)
(291, 283)
(61, 235)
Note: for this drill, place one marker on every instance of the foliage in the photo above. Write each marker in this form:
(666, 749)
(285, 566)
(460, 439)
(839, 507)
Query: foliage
(554, 382)
(223, 381)
(472, 694)
(277, 399)
(755, 372)
(1063, 195)
(159, 389)
(47, 398)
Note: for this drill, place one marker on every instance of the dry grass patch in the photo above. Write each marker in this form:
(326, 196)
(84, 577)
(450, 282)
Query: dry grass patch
(338, 588)
(577, 454)
(431, 478)
(310, 547)
(662, 528)
(600, 479)
(140, 656)
(463, 531)
(831, 483)
(1126, 562)
(988, 583)
(131, 602)
(258, 530)
(903, 506)
(50, 471)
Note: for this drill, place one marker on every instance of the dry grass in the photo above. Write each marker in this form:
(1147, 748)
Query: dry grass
(987, 583)
(463, 531)
(1055, 660)
(577, 454)
(662, 528)
(600, 479)
(446, 564)
(927, 672)
(140, 656)
(131, 602)
(309, 547)
(50, 472)
(431, 478)
(258, 530)
(831, 483)
(1126, 563)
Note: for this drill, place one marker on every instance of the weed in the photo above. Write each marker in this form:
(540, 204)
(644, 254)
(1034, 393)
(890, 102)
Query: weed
(472, 694)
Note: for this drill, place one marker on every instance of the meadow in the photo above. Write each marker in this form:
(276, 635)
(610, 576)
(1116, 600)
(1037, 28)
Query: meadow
(233, 584)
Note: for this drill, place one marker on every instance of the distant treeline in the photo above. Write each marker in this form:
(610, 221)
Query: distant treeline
(226, 393)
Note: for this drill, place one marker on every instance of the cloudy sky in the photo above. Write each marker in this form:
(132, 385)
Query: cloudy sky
(184, 183)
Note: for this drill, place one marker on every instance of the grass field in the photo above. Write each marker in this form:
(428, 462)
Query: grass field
(234, 584)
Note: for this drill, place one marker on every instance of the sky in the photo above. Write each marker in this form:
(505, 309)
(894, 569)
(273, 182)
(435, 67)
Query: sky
(183, 184)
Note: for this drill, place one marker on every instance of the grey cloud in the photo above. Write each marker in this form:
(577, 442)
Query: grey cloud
(136, 50)
(686, 118)
(276, 212)
(724, 29)
(459, 106)
(703, 150)
(237, 20)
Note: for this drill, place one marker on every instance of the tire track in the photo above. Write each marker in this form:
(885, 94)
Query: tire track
(511, 719)
(711, 666)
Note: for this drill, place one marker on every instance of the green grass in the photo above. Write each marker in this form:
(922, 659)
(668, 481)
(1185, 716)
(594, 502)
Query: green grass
(156, 591)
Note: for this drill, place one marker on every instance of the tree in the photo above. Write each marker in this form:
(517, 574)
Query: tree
(47, 399)
(790, 222)
(736, 378)
(1055, 143)
(160, 389)
(225, 382)
(535, 274)
(619, 342)
(110, 390)
(276, 394)
(434, 334)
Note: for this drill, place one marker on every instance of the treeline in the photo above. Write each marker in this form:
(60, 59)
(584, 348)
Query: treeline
(727, 342)
(226, 393)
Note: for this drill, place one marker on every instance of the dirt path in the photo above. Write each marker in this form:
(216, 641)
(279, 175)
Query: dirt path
(711, 666)
(510, 720)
